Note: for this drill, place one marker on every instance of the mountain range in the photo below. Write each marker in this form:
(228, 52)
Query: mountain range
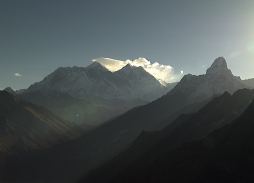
(125, 146)
(128, 83)
(178, 111)
(89, 96)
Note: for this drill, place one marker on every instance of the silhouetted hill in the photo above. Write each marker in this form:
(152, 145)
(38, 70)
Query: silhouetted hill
(25, 126)
(150, 145)
(89, 151)
(225, 155)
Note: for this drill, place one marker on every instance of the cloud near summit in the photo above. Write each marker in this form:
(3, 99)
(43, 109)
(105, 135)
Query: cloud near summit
(159, 71)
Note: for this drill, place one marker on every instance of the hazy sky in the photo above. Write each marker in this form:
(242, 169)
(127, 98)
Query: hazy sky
(38, 36)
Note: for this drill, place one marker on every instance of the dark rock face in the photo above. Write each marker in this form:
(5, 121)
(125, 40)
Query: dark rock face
(225, 155)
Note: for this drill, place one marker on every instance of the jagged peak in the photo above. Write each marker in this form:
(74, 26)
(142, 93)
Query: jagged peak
(129, 66)
(226, 94)
(137, 70)
(218, 66)
(10, 90)
(97, 65)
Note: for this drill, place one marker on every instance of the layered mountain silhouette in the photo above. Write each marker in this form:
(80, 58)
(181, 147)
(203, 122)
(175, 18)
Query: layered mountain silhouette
(186, 128)
(101, 144)
(225, 155)
(26, 127)
(178, 111)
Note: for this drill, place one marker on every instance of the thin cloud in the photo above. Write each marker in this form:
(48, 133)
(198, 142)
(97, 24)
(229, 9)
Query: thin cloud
(159, 71)
(17, 74)
(111, 64)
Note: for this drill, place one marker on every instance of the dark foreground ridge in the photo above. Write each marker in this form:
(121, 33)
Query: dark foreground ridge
(225, 155)
(186, 128)
(26, 127)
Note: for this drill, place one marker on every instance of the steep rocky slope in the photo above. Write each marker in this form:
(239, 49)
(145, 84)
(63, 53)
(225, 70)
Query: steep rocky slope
(217, 80)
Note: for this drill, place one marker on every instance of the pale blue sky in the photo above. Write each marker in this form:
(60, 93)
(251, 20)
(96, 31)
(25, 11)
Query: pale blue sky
(37, 37)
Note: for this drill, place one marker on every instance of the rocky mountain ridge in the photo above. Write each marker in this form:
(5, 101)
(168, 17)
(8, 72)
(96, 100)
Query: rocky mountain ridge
(128, 83)
(217, 80)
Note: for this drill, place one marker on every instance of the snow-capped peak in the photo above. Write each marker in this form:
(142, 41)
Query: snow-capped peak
(218, 66)
(97, 65)
(132, 72)
(129, 83)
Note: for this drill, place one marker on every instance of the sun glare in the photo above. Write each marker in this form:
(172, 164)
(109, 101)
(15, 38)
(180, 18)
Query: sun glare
(235, 54)
(250, 48)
